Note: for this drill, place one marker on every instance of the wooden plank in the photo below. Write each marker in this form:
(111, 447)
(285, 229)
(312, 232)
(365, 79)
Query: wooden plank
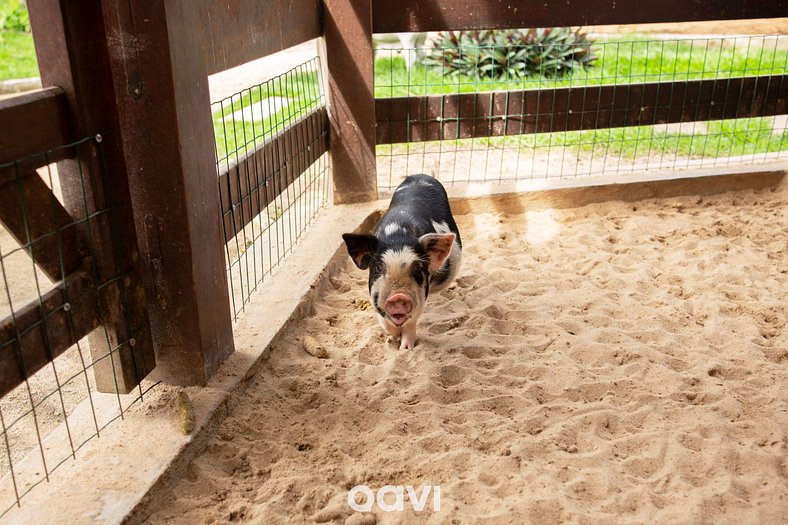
(237, 31)
(351, 104)
(33, 123)
(457, 15)
(35, 218)
(444, 117)
(41, 331)
(250, 184)
(75, 52)
(26, 165)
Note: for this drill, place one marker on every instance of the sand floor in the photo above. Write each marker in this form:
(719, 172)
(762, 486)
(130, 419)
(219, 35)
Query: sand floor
(612, 363)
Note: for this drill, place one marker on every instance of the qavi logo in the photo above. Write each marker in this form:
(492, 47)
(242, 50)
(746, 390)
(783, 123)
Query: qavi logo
(417, 501)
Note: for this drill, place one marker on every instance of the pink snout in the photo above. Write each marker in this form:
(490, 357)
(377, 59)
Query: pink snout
(399, 306)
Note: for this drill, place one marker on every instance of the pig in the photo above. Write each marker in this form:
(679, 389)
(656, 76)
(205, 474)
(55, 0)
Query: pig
(416, 250)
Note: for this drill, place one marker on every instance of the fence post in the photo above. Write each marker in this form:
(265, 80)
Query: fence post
(349, 61)
(161, 84)
(78, 64)
(152, 80)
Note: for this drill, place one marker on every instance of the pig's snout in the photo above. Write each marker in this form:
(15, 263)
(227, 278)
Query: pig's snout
(399, 306)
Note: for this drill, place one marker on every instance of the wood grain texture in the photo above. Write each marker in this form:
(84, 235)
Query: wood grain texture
(457, 15)
(443, 117)
(251, 183)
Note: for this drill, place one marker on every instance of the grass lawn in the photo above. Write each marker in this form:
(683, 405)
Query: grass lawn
(245, 120)
(620, 61)
(17, 55)
(721, 138)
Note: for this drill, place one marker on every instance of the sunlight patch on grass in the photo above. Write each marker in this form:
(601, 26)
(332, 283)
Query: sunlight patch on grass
(17, 55)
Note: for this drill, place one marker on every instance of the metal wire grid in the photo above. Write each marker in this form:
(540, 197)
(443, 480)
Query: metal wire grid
(53, 413)
(247, 123)
(613, 151)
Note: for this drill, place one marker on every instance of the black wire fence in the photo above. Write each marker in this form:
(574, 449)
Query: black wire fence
(57, 357)
(51, 295)
(642, 105)
(273, 172)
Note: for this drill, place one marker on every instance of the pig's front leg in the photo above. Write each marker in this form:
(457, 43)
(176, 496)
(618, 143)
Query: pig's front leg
(390, 329)
(408, 340)
(406, 333)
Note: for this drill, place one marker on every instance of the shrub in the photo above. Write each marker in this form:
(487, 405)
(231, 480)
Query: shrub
(512, 54)
(13, 16)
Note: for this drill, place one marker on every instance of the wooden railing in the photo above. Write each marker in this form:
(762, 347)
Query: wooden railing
(489, 114)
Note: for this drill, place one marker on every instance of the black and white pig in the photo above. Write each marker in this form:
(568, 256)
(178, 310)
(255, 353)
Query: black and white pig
(416, 250)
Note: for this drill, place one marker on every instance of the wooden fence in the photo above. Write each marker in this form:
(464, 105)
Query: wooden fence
(136, 73)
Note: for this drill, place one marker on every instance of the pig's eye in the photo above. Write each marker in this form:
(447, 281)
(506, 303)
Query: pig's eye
(417, 274)
(378, 267)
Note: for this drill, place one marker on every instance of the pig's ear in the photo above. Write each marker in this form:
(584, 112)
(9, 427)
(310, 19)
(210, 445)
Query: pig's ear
(438, 247)
(361, 248)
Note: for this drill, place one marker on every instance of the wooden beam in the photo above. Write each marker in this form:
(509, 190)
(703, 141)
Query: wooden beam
(166, 135)
(35, 218)
(458, 15)
(234, 32)
(40, 331)
(251, 183)
(445, 117)
(34, 123)
(351, 103)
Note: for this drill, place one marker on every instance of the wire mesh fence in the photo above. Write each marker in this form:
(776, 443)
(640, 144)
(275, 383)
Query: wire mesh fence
(51, 296)
(272, 170)
(545, 126)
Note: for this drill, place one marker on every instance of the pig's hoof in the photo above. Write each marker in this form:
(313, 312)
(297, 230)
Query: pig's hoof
(408, 340)
(407, 343)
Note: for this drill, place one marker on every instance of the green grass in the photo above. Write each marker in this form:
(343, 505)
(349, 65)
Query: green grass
(17, 55)
(236, 137)
(732, 137)
(621, 61)
(722, 138)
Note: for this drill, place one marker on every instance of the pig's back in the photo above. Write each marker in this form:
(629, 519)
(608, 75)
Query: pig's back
(420, 202)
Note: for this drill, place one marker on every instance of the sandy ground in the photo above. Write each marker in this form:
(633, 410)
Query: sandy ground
(616, 362)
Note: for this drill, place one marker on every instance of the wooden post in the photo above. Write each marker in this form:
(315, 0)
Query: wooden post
(161, 84)
(72, 54)
(147, 62)
(349, 61)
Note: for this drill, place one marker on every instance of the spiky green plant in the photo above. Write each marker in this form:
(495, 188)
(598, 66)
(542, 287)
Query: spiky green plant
(511, 54)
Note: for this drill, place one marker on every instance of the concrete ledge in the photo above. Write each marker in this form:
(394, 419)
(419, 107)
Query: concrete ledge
(19, 85)
(543, 194)
(118, 477)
